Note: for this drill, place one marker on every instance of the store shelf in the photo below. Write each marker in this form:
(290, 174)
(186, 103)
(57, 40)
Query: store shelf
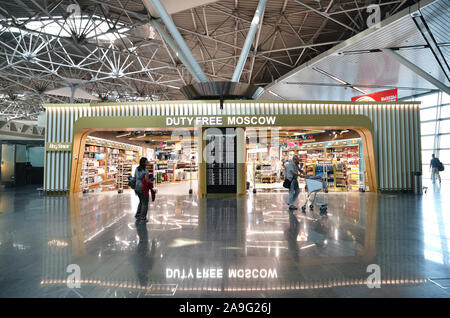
(326, 153)
(112, 154)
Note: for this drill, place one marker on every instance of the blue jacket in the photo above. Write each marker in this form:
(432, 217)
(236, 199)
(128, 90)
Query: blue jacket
(434, 162)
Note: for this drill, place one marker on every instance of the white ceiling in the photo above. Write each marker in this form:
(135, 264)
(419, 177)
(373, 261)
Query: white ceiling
(377, 70)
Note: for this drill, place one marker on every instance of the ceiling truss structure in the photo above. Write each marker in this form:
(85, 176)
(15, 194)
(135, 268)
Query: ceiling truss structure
(110, 50)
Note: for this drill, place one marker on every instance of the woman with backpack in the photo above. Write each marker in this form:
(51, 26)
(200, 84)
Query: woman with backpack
(143, 184)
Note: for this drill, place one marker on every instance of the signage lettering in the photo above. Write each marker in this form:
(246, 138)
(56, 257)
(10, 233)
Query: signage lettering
(219, 120)
(254, 120)
(217, 273)
(390, 95)
(61, 146)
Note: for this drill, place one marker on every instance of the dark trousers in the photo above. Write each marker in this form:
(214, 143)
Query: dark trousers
(142, 209)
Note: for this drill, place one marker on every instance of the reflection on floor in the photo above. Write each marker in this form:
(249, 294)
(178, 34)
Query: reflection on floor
(178, 188)
(249, 246)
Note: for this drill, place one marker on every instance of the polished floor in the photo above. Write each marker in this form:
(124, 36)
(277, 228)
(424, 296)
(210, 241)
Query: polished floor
(250, 246)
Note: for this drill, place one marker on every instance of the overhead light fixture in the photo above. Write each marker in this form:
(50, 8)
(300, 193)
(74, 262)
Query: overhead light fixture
(329, 75)
(359, 90)
(310, 132)
(124, 135)
(338, 80)
(275, 94)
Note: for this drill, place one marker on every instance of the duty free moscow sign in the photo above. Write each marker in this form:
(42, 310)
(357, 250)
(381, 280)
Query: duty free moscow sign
(174, 121)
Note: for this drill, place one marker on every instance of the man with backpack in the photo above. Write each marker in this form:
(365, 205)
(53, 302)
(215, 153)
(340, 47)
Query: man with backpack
(293, 171)
(435, 166)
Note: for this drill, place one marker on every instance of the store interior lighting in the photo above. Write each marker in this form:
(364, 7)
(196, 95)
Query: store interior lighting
(124, 135)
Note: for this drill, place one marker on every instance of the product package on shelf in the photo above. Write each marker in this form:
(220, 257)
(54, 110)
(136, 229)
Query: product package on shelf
(180, 175)
(340, 176)
(265, 173)
(100, 156)
(108, 162)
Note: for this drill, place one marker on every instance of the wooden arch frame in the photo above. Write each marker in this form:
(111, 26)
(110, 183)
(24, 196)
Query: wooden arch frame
(359, 123)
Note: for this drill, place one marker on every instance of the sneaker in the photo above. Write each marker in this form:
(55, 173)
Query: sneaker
(293, 207)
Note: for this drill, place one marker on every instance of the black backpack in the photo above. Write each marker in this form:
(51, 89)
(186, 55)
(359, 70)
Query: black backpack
(440, 166)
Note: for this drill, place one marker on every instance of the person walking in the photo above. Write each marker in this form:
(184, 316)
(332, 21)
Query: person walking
(292, 173)
(434, 166)
(142, 179)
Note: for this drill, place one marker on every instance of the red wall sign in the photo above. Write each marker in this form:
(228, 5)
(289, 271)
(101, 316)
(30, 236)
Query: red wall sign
(390, 95)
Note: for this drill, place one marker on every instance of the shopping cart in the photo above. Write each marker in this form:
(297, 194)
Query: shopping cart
(314, 185)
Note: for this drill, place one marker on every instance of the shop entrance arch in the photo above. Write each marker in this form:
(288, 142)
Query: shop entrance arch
(83, 127)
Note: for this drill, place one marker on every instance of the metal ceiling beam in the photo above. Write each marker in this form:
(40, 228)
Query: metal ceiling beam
(417, 70)
(210, 38)
(394, 10)
(307, 45)
(362, 8)
(249, 40)
(179, 53)
(190, 59)
(174, 63)
(237, 17)
(326, 15)
(424, 29)
(175, 6)
(226, 43)
(261, 68)
(252, 65)
(140, 16)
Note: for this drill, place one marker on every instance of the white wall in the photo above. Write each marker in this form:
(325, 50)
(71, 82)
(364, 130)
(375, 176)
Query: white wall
(36, 156)
(21, 153)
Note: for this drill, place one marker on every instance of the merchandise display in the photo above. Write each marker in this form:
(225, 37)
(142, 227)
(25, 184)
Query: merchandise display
(265, 173)
(107, 164)
(172, 171)
(339, 162)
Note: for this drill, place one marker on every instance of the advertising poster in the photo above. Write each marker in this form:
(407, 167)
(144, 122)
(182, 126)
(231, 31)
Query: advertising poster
(390, 95)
